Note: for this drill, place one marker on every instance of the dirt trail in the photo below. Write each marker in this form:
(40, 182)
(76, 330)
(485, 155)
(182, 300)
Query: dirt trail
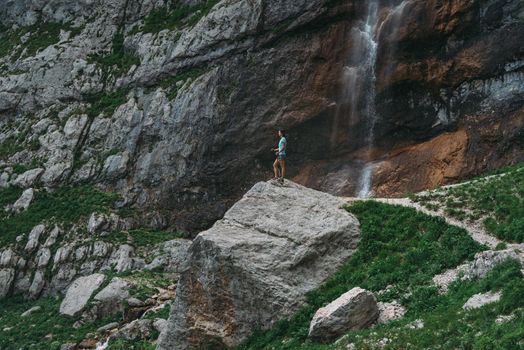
(476, 230)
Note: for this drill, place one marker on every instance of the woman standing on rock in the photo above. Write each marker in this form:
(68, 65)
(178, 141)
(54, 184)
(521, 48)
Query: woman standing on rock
(281, 155)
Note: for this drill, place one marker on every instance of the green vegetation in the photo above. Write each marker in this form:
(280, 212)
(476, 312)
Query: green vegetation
(448, 326)
(105, 102)
(145, 237)
(65, 205)
(43, 329)
(162, 313)
(497, 200)
(146, 282)
(9, 147)
(41, 35)
(176, 15)
(170, 84)
(399, 247)
(119, 60)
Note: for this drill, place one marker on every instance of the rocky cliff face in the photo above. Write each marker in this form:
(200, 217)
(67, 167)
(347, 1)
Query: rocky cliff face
(174, 104)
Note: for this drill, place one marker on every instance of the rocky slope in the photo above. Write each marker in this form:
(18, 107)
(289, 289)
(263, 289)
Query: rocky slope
(174, 104)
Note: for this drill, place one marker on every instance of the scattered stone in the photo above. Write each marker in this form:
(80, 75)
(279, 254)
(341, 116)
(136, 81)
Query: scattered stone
(137, 329)
(255, 266)
(53, 235)
(134, 302)
(37, 285)
(7, 329)
(356, 309)
(504, 318)
(481, 299)
(30, 311)
(87, 344)
(160, 324)
(481, 265)
(6, 281)
(417, 324)
(34, 236)
(28, 178)
(24, 201)
(96, 223)
(390, 311)
(111, 299)
(171, 256)
(79, 292)
(108, 327)
(43, 256)
(68, 346)
(8, 258)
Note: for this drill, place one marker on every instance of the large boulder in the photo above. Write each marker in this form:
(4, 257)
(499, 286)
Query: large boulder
(254, 267)
(356, 309)
(79, 293)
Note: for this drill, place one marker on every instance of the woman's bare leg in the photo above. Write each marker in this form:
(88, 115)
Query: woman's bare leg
(283, 167)
(275, 168)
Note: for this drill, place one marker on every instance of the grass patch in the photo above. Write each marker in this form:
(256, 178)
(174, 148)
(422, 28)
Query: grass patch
(146, 282)
(145, 237)
(176, 15)
(105, 102)
(119, 60)
(65, 205)
(43, 329)
(172, 84)
(498, 200)
(41, 35)
(162, 313)
(399, 247)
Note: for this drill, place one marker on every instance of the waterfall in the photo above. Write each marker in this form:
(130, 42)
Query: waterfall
(361, 86)
(357, 99)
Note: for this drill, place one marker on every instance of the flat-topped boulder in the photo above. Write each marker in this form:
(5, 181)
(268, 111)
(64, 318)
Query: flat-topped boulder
(254, 267)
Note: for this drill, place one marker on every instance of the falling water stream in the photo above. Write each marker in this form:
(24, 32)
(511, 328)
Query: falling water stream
(359, 83)
(361, 79)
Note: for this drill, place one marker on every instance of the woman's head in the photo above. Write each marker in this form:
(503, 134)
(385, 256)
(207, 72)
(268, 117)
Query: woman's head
(281, 132)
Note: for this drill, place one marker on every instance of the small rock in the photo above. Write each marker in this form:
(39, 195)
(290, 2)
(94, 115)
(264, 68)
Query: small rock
(110, 299)
(7, 329)
(68, 346)
(504, 318)
(87, 344)
(79, 292)
(6, 281)
(28, 178)
(138, 329)
(34, 236)
(390, 311)
(107, 327)
(160, 324)
(24, 201)
(481, 299)
(417, 324)
(134, 302)
(31, 310)
(356, 309)
(96, 223)
(78, 324)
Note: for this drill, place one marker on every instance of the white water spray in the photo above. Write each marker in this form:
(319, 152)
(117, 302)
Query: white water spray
(357, 100)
